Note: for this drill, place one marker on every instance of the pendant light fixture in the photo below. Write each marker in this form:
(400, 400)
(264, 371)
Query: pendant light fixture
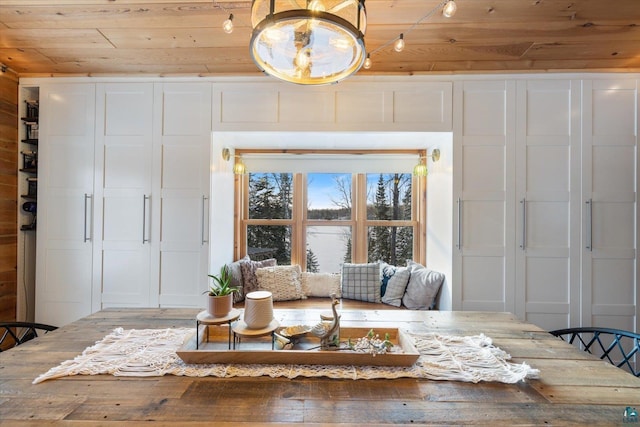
(308, 42)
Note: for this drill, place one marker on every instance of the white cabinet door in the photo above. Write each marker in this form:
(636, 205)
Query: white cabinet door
(484, 153)
(610, 162)
(548, 195)
(124, 137)
(181, 179)
(65, 188)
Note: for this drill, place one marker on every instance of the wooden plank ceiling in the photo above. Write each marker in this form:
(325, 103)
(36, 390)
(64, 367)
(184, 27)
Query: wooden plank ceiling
(173, 37)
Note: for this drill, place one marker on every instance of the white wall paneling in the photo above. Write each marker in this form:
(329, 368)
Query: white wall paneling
(548, 210)
(609, 192)
(349, 106)
(64, 267)
(483, 190)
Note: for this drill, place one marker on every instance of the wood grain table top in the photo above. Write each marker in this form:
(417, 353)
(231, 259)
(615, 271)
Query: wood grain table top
(573, 387)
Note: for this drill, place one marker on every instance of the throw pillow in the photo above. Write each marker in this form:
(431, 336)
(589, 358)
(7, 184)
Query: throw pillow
(320, 284)
(283, 281)
(394, 282)
(361, 282)
(423, 287)
(248, 268)
(236, 278)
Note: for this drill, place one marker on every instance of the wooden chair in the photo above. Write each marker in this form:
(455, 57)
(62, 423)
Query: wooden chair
(16, 333)
(617, 346)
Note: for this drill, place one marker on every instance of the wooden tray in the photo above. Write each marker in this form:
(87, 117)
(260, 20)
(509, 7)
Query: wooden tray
(213, 348)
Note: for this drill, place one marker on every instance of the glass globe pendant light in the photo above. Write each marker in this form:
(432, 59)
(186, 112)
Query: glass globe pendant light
(308, 42)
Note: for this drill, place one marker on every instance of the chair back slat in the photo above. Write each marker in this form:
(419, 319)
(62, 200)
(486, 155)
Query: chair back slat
(16, 333)
(618, 347)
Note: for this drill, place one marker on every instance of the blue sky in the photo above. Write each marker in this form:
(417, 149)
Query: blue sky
(322, 188)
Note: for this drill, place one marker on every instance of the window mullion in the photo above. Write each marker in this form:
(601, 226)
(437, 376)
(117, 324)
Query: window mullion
(359, 198)
(298, 231)
(241, 185)
(419, 214)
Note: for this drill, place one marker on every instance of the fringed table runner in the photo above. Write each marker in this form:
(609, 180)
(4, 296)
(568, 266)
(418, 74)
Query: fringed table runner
(152, 352)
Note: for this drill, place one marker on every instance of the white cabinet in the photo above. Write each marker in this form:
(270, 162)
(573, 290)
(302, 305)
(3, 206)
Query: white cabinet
(182, 143)
(153, 193)
(545, 178)
(483, 188)
(123, 200)
(548, 209)
(64, 267)
(609, 192)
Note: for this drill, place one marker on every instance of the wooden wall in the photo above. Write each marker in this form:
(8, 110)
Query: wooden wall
(8, 193)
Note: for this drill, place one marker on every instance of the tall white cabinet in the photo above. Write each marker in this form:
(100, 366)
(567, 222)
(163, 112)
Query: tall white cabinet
(64, 264)
(182, 141)
(610, 204)
(547, 202)
(123, 181)
(125, 197)
(545, 178)
(484, 195)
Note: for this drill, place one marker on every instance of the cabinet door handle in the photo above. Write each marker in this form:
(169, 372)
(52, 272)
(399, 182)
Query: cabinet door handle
(87, 236)
(144, 218)
(590, 225)
(523, 245)
(459, 243)
(204, 234)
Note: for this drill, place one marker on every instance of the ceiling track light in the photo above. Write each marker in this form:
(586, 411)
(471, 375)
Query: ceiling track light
(399, 45)
(227, 26)
(367, 62)
(449, 9)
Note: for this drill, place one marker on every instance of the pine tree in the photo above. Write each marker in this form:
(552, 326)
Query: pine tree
(312, 262)
(381, 244)
(347, 254)
(266, 203)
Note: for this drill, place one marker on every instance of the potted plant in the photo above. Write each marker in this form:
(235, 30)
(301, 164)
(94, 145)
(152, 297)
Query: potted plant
(221, 293)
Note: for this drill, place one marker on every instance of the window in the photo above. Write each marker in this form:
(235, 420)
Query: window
(322, 219)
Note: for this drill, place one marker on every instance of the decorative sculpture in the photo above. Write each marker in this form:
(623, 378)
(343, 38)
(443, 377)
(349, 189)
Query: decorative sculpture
(329, 332)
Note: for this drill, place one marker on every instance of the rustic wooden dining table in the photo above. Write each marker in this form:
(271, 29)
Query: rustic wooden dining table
(573, 388)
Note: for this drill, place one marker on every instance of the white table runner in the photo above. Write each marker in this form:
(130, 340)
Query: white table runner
(152, 352)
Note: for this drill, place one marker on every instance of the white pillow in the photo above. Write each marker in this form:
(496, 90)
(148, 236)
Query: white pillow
(394, 281)
(423, 287)
(320, 284)
(283, 281)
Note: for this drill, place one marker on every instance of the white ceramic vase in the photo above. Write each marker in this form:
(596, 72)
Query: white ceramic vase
(258, 309)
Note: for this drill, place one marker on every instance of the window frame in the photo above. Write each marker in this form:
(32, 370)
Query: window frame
(359, 223)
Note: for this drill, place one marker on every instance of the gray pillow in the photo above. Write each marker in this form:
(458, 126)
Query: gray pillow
(396, 280)
(361, 282)
(249, 278)
(423, 287)
(236, 278)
